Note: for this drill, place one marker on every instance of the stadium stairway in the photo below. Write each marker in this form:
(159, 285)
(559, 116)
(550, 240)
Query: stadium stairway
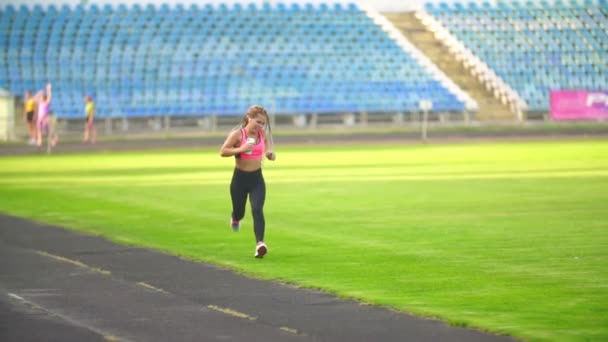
(490, 108)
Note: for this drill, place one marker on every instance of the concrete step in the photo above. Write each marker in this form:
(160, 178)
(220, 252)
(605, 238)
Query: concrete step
(490, 108)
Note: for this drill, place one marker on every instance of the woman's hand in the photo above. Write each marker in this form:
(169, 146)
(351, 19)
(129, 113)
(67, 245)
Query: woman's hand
(270, 155)
(246, 147)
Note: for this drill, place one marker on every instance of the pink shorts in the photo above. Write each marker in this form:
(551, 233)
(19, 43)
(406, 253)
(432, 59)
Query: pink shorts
(42, 122)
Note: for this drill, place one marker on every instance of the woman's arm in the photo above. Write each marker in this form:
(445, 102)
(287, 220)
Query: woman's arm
(270, 155)
(234, 139)
(49, 93)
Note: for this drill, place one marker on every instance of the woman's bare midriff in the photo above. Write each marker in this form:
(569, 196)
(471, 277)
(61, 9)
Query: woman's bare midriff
(248, 164)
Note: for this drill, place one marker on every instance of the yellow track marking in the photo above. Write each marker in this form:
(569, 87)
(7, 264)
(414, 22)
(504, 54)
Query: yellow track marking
(289, 330)
(153, 288)
(231, 312)
(74, 262)
(110, 338)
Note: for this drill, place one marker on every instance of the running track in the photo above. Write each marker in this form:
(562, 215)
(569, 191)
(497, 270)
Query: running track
(58, 285)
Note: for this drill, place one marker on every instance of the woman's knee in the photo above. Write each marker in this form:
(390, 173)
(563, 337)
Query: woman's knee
(257, 210)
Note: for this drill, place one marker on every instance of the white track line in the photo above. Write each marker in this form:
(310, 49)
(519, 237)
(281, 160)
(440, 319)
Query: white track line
(71, 321)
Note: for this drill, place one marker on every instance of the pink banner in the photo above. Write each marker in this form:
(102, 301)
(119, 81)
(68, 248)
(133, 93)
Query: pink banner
(579, 105)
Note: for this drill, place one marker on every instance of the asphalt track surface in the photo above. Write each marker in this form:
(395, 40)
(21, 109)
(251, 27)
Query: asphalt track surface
(59, 285)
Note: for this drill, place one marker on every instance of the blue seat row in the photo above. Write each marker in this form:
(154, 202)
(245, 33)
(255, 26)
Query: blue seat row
(137, 8)
(535, 47)
(155, 60)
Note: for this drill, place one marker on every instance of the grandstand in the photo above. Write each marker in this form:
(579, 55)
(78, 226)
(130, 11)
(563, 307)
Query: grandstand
(144, 60)
(534, 47)
(212, 60)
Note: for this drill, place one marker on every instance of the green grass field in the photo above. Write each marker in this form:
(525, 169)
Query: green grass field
(507, 237)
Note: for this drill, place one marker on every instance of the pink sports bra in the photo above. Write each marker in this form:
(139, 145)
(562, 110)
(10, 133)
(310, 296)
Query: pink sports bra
(257, 152)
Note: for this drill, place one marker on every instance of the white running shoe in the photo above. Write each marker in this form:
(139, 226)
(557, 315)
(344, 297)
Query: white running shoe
(260, 250)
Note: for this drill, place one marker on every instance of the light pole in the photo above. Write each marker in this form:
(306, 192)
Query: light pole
(425, 105)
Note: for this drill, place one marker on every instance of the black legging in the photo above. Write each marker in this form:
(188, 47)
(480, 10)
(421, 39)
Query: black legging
(251, 183)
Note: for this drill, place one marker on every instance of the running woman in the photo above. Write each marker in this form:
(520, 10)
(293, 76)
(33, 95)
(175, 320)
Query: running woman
(249, 144)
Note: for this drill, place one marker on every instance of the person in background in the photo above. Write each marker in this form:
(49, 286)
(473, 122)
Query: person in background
(29, 112)
(43, 103)
(249, 144)
(90, 132)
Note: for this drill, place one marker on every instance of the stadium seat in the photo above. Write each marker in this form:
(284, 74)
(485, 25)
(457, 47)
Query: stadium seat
(142, 58)
(535, 46)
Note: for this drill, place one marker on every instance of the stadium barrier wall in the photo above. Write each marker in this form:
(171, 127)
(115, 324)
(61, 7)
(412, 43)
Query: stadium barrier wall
(176, 125)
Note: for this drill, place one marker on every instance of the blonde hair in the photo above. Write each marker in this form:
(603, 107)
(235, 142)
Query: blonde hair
(254, 111)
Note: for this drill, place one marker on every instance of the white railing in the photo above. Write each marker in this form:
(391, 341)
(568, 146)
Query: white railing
(493, 83)
(424, 61)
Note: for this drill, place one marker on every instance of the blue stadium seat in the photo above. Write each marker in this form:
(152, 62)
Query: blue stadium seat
(143, 58)
(543, 53)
